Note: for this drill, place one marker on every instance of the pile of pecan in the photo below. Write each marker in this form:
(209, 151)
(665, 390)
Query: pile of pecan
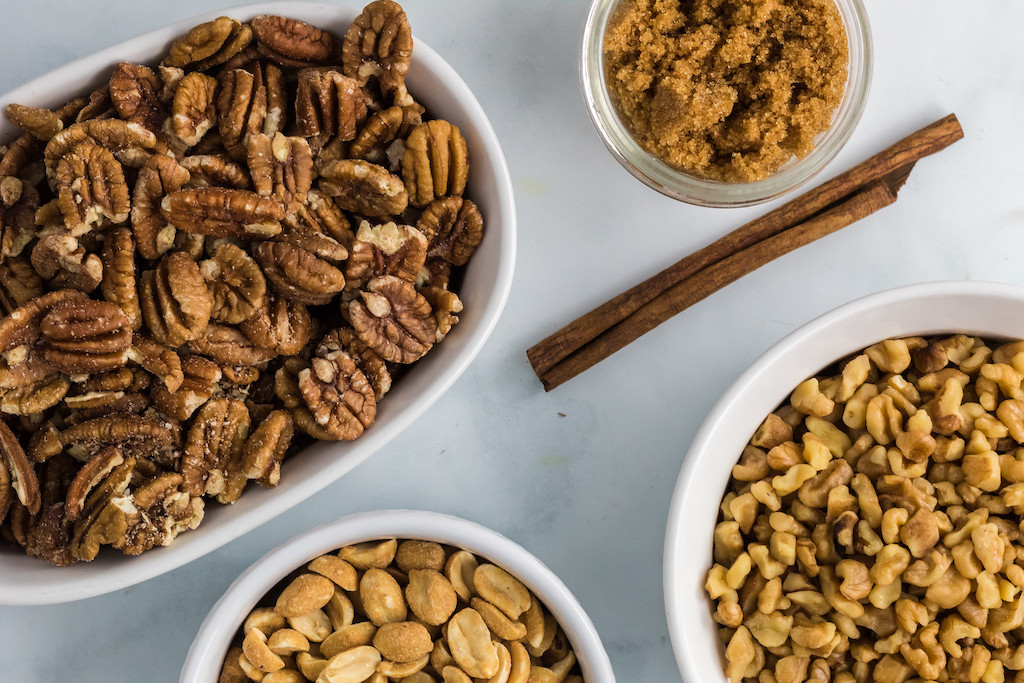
(200, 260)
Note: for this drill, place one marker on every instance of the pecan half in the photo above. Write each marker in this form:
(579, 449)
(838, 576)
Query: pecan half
(160, 176)
(60, 260)
(378, 45)
(281, 168)
(393, 319)
(367, 360)
(294, 43)
(236, 282)
(282, 325)
(91, 187)
(102, 521)
(117, 391)
(339, 401)
(387, 249)
(381, 130)
(328, 102)
(42, 123)
(88, 477)
(216, 170)
(18, 204)
(119, 281)
(19, 283)
(249, 102)
(228, 346)
(193, 112)
(17, 154)
(158, 511)
(454, 227)
(157, 360)
(130, 143)
(436, 162)
(364, 188)
(83, 337)
(198, 384)
(176, 302)
(19, 331)
(212, 464)
(265, 448)
(17, 473)
(445, 305)
(298, 274)
(222, 212)
(135, 93)
(209, 44)
(136, 436)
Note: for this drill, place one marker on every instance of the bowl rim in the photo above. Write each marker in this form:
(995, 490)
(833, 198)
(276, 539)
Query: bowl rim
(205, 655)
(690, 189)
(135, 570)
(700, 449)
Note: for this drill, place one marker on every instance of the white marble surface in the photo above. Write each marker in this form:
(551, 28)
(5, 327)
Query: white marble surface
(582, 476)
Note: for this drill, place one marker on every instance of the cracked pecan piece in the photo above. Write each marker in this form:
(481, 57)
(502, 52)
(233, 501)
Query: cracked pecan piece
(194, 111)
(222, 212)
(436, 162)
(47, 534)
(176, 302)
(388, 249)
(59, 259)
(445, 305)
(90, 188)
(216, 170)
(367, 360)
(42, 123)
(16, 155)
(383, 129)
(291, 42)
(212, 464)
(199, 382)
(281, 325)
(339, 401)
(156, 512)
(393, 319)
(209, 44)
(161, 175)
(436, 273)
(19, 202)
(130, 143)
(378, 45)
(286, 382)
(364, 188)
(19, 283)
(135, 93)
(304, 231)
(102, 519)
(85, 337)
(229, 346)
(117, 391)
(236, 282)
(323, 215)
(281, 168)
(266, 447)
(119, 279)
(454, 227)
(158, 360)
(329, 102)
(249, 102)
(298, 274)
(17, 474)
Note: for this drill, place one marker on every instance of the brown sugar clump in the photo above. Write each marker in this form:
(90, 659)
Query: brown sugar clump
(726, 90)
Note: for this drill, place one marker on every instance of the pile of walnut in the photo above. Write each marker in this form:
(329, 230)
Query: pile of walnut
(198, 259)
(872, 528)
(414, 611)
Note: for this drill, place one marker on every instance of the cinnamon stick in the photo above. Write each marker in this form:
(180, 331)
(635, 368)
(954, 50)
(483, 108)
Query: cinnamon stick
(845, 199)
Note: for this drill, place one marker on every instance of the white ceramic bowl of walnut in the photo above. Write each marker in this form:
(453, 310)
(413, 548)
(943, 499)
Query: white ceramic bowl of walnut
(987, 310)
(218, 631)
(484, 289)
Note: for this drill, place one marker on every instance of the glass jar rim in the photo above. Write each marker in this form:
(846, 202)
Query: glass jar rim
(701, 192)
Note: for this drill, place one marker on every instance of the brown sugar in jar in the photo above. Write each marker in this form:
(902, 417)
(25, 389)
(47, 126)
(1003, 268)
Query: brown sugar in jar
(726, 90)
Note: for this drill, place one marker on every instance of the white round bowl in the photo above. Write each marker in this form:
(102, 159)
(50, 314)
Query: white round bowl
(488, 277)
(979, 308)
(206, 655)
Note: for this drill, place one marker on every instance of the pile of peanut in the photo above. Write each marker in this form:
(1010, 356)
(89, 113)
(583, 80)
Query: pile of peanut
(409, 610)
(207, 264)
(872, 530)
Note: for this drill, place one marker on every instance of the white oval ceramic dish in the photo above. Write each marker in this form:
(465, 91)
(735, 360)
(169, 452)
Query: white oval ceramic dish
(980, 308)
(206, 655)
(488, 277)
